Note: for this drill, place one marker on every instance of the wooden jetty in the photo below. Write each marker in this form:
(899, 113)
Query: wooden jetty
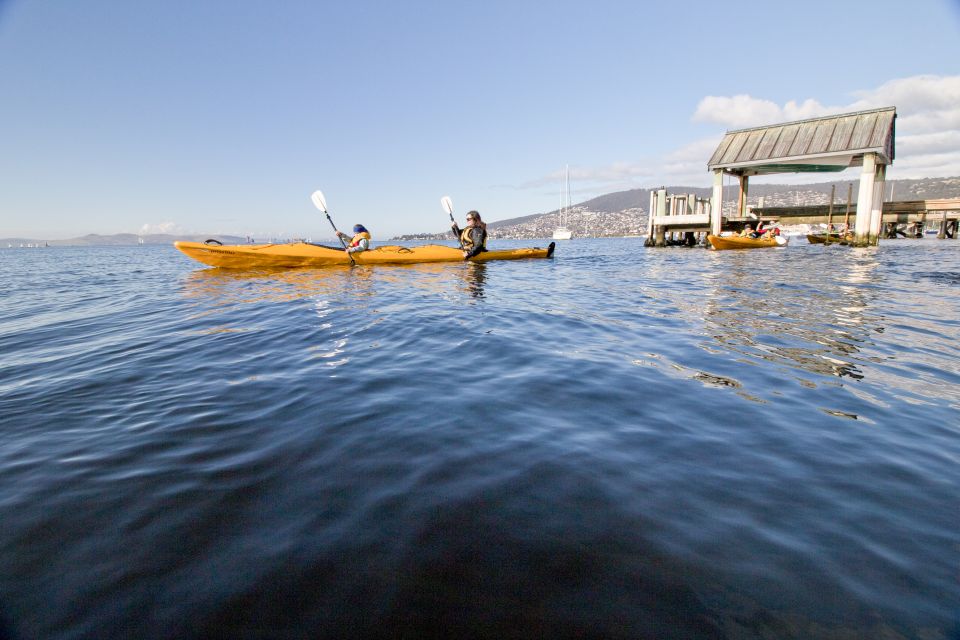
(677, 218)
(915, 213)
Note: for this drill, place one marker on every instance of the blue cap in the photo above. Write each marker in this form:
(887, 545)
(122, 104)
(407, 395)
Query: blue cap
(359, 228)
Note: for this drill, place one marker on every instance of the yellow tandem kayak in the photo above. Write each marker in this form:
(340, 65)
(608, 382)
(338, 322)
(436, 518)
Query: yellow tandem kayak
(736, 242)
(305, 254)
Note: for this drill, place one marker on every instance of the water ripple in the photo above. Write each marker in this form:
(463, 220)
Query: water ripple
(618, 442)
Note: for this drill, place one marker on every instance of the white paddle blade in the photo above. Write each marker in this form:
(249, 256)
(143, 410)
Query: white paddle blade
(781, 241)
(319, 201)
(447, 204)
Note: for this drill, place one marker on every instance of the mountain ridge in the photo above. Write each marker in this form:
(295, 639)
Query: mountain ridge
(625, 212)
(120, 240)
(612, 214)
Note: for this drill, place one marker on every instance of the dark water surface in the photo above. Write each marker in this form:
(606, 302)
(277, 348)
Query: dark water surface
(618, 442)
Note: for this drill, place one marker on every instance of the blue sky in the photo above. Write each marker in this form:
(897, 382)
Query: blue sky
(222, 117)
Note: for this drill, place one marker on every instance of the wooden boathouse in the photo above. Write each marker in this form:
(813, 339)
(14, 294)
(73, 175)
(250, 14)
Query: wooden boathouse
(818, 145)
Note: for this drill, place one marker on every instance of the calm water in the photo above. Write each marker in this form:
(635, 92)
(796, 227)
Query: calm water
(618, 442)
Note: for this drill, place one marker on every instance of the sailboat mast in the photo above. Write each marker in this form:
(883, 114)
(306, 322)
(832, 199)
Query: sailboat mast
(563, 202)
(561, 232)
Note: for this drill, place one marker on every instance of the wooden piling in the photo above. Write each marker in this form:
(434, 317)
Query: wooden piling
(833, 190)
(846, 217)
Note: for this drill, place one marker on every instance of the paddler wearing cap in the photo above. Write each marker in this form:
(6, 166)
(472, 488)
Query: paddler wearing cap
(360, 240)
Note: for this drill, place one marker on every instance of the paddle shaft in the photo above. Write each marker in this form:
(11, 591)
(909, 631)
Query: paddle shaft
(342, 241)
(321, 203)
(448, 207)
(455, 234)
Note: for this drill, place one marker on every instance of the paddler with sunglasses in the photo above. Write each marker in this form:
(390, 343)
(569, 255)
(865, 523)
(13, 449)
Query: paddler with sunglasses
(473, 238)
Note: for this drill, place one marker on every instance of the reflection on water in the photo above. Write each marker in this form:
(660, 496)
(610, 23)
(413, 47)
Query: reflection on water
(815, 329)
(234, 286)
(475, 276)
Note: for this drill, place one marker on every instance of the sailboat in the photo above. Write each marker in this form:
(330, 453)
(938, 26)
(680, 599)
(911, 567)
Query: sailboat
(562, 232)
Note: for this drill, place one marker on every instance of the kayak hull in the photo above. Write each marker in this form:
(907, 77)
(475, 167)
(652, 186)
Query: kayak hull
(305, 254)
(736, 242)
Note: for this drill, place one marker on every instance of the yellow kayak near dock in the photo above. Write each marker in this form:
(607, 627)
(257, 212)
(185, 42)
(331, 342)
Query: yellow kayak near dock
(736, 242)
(305, 254)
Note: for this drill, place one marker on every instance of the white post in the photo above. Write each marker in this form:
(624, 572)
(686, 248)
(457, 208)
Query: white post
(716, 204)
(660, 239)
(650, 214)
(876, 212)
(865, 200)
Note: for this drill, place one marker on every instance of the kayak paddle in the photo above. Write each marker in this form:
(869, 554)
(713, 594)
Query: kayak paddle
(321, 203)
(448, 207)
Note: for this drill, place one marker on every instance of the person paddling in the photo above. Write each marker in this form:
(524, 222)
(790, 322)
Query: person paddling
(748, 232)
(473, 238)
(360, 240)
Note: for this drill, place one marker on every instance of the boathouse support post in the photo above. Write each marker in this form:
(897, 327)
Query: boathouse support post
(742, 203)
(660, 240)
(876, 211)
(650, 213)
(862, 226)
(716, 204)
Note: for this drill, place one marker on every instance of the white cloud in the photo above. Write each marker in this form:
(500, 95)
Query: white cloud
(929, 165)
(163, 227)
(927, 142)
(737, 111)
(924, 104)
(915, 94)
(928, 119)
(743, 111)
(588, 182)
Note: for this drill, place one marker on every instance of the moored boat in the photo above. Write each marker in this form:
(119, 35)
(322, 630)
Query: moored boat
(305, 254)
(823, 238)
(562, 232)
(737, 242)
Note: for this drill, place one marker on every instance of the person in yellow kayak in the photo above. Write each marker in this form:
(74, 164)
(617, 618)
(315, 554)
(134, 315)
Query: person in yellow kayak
(473, 239)
(360, 240)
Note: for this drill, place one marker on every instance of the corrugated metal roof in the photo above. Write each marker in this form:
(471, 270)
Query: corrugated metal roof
(830, 143)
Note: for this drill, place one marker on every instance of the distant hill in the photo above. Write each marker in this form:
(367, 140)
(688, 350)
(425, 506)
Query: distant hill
(920, 189)
(625, 212)
(614, 214)
(117, 240)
